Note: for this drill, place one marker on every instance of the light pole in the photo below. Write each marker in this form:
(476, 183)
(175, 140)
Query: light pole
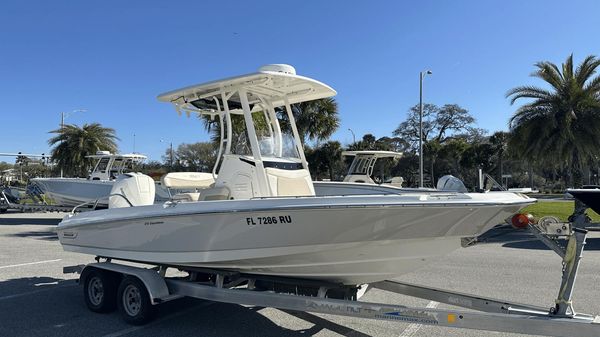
(170, 152)
(64, 115)
(421, 76)
(353, 136)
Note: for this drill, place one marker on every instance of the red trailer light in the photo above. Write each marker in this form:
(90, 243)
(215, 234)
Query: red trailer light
(521, 221)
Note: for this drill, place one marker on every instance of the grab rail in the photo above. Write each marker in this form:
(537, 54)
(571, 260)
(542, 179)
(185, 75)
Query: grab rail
(95, 202)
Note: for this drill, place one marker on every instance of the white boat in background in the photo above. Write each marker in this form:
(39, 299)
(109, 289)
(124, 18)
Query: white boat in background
(359, 179)
(75, 191)
(262, 217)
(363, 165)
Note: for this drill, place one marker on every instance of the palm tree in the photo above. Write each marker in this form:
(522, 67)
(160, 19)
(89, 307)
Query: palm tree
(73, 143)
(315, 120)
(325, 159)
(499, 144)
(561, 125)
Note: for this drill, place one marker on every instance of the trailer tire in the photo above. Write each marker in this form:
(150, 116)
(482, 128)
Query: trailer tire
(134, 301)
(99, 290)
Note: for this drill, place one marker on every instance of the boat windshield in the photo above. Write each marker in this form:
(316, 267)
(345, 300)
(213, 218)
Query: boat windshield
(267, 137)
(102, 165)
(268, 147)
(122, 165)
(362, 165)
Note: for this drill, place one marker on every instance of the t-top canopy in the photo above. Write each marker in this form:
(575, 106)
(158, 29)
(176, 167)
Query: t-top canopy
(272, 83)
(376, 154)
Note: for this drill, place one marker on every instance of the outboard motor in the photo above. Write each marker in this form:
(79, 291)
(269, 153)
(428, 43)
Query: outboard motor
(451, 183)
(132, 189)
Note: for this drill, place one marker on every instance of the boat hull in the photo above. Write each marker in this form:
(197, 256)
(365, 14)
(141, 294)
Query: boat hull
(75, 191)
(349, 240)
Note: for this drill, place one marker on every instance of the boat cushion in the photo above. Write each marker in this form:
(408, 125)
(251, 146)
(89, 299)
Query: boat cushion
(215, 193)
(290, 182)
(180, 180)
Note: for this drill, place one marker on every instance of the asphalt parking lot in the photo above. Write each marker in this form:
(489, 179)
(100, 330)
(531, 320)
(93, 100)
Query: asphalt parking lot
(36, 299)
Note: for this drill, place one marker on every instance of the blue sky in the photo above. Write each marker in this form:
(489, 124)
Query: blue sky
(114, 57)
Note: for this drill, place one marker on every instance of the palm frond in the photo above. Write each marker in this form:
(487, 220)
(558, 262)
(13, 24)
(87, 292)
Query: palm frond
(527, 92)
(593, 86)
(586, 69)
(550, 73)
(567, 68)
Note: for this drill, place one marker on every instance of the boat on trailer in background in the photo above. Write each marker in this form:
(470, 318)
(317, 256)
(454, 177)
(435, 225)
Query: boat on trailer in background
(98, 184)
(361, 177)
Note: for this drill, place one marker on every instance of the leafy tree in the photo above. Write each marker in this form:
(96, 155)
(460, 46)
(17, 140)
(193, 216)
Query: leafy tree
(450, 119)
(155, 168)
(197, 157)
(73, 143)
(439, 124)
(409, 129)
(499, 142)
(408, 168)
(369, 142)
(395, 144)
(5, 166)
(476, 156)
(34, 169)
(562, 123)
(325, 160)
(451, 155)
(431, 152)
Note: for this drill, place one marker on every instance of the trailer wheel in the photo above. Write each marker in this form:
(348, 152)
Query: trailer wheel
(99, 290)
(134, 301)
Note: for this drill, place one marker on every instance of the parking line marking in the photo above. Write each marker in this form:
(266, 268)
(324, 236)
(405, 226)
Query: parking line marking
(8, 297)
(29, 263)
(412, 328)
(166, 318)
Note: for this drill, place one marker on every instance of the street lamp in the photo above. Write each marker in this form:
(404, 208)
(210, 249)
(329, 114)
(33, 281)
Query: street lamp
(421, 76)
(353, 136)
(64, 115)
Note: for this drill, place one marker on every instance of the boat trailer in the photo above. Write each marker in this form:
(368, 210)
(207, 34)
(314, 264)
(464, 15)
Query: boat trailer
(135, 290)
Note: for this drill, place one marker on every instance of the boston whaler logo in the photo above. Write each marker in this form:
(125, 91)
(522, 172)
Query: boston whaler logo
(150, 223)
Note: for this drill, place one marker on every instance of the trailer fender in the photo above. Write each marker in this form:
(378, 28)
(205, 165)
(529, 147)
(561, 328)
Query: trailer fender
(155, 284)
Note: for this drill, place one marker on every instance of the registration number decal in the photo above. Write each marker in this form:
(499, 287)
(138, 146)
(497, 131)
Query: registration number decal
(268, 220)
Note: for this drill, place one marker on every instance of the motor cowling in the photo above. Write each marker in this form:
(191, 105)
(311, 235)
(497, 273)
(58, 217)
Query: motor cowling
(451, 183)
(132, 189)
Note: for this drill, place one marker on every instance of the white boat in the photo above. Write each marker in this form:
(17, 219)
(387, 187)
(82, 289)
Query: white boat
(262, 216)
(75, 191)
(359, 179)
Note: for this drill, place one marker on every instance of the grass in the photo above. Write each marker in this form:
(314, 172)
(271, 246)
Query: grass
(559, 209)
